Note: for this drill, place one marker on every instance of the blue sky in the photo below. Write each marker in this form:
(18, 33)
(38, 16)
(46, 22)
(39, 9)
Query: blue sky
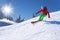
(26, 8)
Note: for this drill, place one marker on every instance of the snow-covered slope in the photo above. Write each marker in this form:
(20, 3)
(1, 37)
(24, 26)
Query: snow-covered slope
(5, 22)
(49, 29)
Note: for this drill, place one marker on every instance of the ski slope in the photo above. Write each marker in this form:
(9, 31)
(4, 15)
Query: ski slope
(48, 29)
(5, 22)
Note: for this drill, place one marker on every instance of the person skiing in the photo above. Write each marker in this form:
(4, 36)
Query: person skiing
(44, 12)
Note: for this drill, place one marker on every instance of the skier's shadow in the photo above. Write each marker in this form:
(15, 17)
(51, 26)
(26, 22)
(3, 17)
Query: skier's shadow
(53, 22)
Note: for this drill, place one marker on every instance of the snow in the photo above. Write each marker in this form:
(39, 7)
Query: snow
(48, 29)
(5, 22)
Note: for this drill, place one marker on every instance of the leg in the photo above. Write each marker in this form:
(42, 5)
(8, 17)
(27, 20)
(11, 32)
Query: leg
(42, 17)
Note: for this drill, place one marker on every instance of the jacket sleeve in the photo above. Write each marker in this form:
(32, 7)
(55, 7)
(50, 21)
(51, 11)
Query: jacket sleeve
(39, 11)
(48, 15)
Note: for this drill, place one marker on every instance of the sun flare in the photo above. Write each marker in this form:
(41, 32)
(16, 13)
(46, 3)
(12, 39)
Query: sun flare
(7, 9)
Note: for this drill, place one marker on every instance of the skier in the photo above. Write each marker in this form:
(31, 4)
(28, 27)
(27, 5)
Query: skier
(44, 12)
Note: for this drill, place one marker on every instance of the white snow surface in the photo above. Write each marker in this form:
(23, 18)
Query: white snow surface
(48, 29)
(7, 21)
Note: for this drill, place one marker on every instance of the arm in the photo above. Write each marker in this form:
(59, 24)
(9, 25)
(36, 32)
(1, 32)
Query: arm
(48, 15)
(39, 11)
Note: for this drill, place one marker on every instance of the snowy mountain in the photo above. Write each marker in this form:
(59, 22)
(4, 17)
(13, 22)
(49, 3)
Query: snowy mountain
(48, 29)
(5, 22)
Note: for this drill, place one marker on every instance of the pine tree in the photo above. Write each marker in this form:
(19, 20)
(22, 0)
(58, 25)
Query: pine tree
(18, 20)
(9, 18)
(34, 16)
(1, 14)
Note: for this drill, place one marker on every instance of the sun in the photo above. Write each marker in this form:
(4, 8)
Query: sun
(7, 9)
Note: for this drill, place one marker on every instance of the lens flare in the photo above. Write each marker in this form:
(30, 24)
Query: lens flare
(7, 9)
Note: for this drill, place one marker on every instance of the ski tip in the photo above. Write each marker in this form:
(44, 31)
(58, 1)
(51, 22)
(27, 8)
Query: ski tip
(32, 22)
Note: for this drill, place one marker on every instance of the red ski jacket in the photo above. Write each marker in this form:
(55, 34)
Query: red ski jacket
(44, 11)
